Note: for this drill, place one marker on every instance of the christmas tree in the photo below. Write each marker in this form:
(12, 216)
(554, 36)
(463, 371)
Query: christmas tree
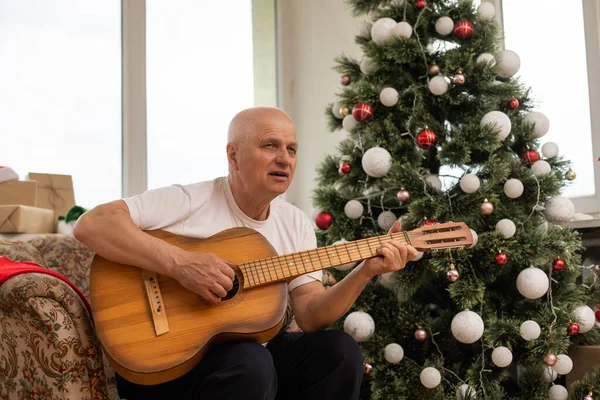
(439, 129)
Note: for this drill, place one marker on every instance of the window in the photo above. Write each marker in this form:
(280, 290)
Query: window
(60, 103)
(199, 75)
(559, 65)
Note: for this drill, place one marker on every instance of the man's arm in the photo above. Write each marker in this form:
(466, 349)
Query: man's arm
(316, 308)
(110, 232)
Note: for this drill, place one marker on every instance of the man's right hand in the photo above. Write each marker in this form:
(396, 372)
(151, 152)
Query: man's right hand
(204, 274)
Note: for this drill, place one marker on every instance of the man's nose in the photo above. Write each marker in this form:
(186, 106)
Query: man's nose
(283, 157)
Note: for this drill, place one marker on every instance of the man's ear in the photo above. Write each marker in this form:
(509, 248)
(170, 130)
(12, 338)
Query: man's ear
(232, 156)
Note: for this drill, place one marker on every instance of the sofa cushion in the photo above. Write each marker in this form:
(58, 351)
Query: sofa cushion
(21, 251)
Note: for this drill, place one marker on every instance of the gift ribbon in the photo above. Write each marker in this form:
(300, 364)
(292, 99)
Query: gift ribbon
(54, 195)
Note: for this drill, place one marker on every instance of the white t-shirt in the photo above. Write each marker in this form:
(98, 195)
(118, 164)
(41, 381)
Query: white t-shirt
(203, 209)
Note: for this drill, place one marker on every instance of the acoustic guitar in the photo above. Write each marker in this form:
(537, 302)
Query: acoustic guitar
(153, 330)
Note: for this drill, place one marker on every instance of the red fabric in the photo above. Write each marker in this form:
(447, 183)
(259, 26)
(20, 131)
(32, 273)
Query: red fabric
(9, 268)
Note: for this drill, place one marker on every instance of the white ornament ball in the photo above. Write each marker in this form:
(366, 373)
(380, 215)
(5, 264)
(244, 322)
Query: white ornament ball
(359, 325)
(532, 283)
(388, 280)
(506, 228)
(502, 356)
(586, 317)
(467, 327)
(475, 238)
(438, 85)
(383, 30)
(507, 63)
(499, 122)
(469, 183)
(418, 257)
(486, 58)
(558, 392)
(367, 66)
(354, 209)
(386, 220)
(541, 168)
(541, 123)
(336, 110)
(349, 123)
(466, 392)
(376, 162)
(430, 377)
(344, 267)
(550, 150)
(559, 210)
(486, 10)
(403, 29)
(513, 188)
(388, 97)
(530, 330)
(364, 29)
(444, 26)
(563, 365)
(393, 353)
(434, 181)
(549, 374)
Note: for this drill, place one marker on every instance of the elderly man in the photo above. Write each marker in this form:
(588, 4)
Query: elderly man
(313, 364)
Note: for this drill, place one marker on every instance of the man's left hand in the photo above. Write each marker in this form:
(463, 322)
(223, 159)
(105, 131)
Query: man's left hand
(392, 255)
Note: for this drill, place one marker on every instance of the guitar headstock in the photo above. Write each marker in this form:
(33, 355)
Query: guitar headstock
(447, 236)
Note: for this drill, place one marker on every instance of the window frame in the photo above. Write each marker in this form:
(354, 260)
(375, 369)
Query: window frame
(591, 20)
(134, 91)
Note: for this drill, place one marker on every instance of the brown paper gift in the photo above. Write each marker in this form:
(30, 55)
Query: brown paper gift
(584, 358)
(18, 192)
(54, 192)
(25, 219)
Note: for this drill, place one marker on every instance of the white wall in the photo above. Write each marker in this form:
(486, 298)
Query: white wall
(310, 34)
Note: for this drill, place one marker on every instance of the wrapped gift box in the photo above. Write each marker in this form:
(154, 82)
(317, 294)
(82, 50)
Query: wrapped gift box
(26, 219)
(585, 358)
(54, 192)
(18, 192)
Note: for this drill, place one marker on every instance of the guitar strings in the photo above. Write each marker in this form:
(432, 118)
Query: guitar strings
(362, 244)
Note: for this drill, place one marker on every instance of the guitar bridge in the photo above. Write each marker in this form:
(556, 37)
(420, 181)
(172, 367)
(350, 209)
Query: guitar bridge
(155, 300)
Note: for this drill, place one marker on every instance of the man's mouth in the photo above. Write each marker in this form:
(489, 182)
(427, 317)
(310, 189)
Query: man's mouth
(279, 174)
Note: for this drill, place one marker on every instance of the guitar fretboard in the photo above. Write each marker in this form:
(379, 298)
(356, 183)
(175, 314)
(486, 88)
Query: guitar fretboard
(273, 269)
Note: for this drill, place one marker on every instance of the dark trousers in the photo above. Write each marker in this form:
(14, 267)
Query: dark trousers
(320, 365)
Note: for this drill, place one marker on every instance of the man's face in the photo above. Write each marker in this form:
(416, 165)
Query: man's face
(267, 158)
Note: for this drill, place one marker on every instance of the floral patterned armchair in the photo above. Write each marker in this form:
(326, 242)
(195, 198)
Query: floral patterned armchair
(48, 349)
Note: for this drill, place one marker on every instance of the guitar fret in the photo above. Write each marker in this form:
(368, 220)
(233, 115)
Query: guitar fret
(328, 258)
(274, 267)
(303, 263)
(347, 251)
(337, 253)
(268, 270)
(358, 248)
(257, 272)
(319, 256)
(251, 268)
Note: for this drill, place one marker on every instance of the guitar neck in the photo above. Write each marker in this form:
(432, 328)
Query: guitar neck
(274, 269)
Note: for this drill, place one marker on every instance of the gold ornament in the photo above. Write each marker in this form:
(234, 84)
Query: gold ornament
(344, 111)
(570, 175)
(434, 70)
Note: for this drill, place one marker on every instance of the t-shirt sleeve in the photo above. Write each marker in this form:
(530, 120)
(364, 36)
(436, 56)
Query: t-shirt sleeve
(159, 208)
(308, 242)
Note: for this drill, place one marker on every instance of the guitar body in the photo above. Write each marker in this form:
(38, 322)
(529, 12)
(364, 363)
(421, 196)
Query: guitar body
(123, 315)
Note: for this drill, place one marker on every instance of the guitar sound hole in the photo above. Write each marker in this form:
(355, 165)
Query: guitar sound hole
(233, 291)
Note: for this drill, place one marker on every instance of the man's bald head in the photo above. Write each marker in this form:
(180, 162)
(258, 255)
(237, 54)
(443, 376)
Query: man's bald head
(254, 120)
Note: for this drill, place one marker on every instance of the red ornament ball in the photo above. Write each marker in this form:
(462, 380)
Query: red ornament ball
(573, 328)
(501, 258)
(463, 29)
(428, 222)
(345, 168)
(367, 368)
(362, 112)
(421, 334)
(530, 156)
(403, 195)
(513, 104)
(420, 4)
(324, 220)
(558, 264)
(597, 315)
(426, 139)
(452, 275)
(345, 80)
